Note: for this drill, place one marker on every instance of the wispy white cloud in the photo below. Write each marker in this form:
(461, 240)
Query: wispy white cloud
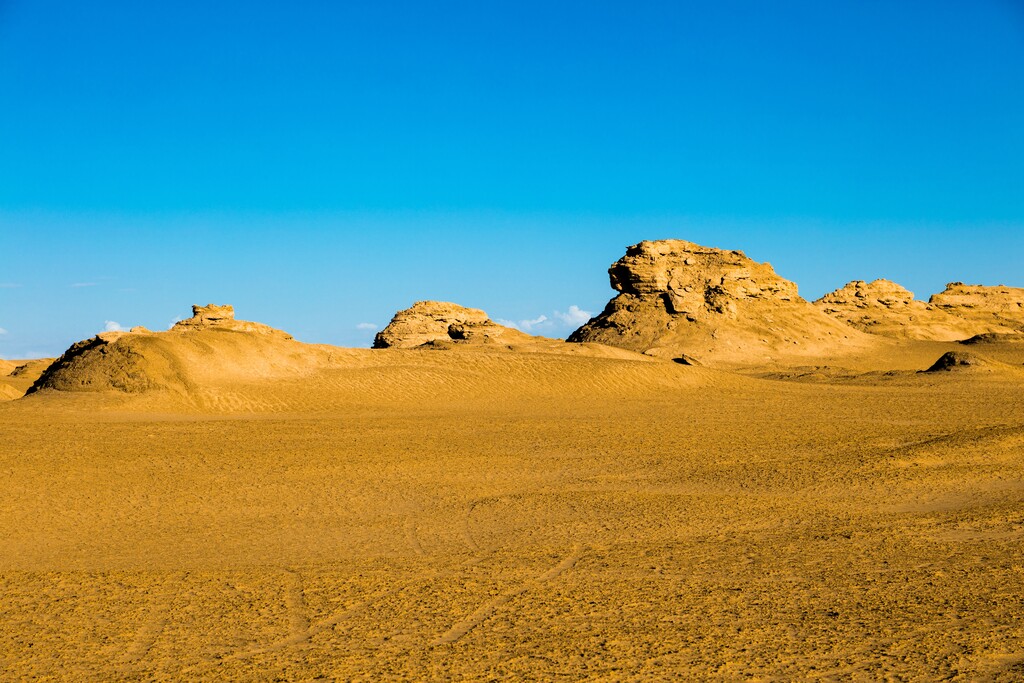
(84, 284)
(537, 322)
(2, 331)
(10, 285)
(575, 316)
(572, 318)
(112, 326)
(367, 327)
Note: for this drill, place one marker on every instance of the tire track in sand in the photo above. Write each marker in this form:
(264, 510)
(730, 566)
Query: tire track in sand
(484, 612)
(295, 602)
(467, 533)
(297, 638)
(153, 627)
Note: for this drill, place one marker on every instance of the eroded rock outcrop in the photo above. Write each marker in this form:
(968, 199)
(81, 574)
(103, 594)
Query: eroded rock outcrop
(679, 297)
(960, 311)
(440, 322)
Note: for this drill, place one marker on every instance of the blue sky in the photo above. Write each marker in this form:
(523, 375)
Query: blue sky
(321, 165)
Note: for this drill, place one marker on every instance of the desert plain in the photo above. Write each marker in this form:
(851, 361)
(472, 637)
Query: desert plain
(714, 478)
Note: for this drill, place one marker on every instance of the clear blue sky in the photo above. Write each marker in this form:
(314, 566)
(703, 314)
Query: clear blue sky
(323, 164)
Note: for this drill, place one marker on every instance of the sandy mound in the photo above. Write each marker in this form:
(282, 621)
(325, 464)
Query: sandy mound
(209, 348)
(961, 311)
(995, 338)
(213, 362)
(440, 324)
(720, 306)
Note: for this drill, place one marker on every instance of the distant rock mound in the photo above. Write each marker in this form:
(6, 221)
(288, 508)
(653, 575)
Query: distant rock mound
(206, 349)
(435, 323)
(1004, 303)
(995, 338)
(961, 311)
(217, 317)
(953, 360)
(677, 296)
(17, 376)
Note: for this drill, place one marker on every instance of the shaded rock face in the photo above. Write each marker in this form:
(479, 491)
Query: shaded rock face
(679, 297)
(221, 317)
(97, 364)
(961, 311)
(436, 322)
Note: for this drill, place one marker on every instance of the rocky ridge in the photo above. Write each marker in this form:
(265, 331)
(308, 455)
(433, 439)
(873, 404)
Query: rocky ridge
(959, 312)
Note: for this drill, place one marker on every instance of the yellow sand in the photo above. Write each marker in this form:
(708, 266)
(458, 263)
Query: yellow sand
(479, 514)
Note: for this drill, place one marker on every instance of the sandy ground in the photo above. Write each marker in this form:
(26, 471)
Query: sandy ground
(486, 515)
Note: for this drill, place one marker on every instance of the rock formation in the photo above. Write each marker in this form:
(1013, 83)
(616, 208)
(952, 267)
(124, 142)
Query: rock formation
(961, 311)
(679, 297)
(439, 322)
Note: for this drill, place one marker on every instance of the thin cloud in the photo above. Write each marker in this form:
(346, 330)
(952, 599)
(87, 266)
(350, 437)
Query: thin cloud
(10, 285)
(573, 317)
(112, 326)
(2, 331)
(528, 325)
(84, 284)
(367, 327)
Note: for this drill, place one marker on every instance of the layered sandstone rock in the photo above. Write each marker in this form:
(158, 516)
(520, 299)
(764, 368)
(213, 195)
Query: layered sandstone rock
(433, 322)
(1004, 303)
(960, 311)
(678, 297)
